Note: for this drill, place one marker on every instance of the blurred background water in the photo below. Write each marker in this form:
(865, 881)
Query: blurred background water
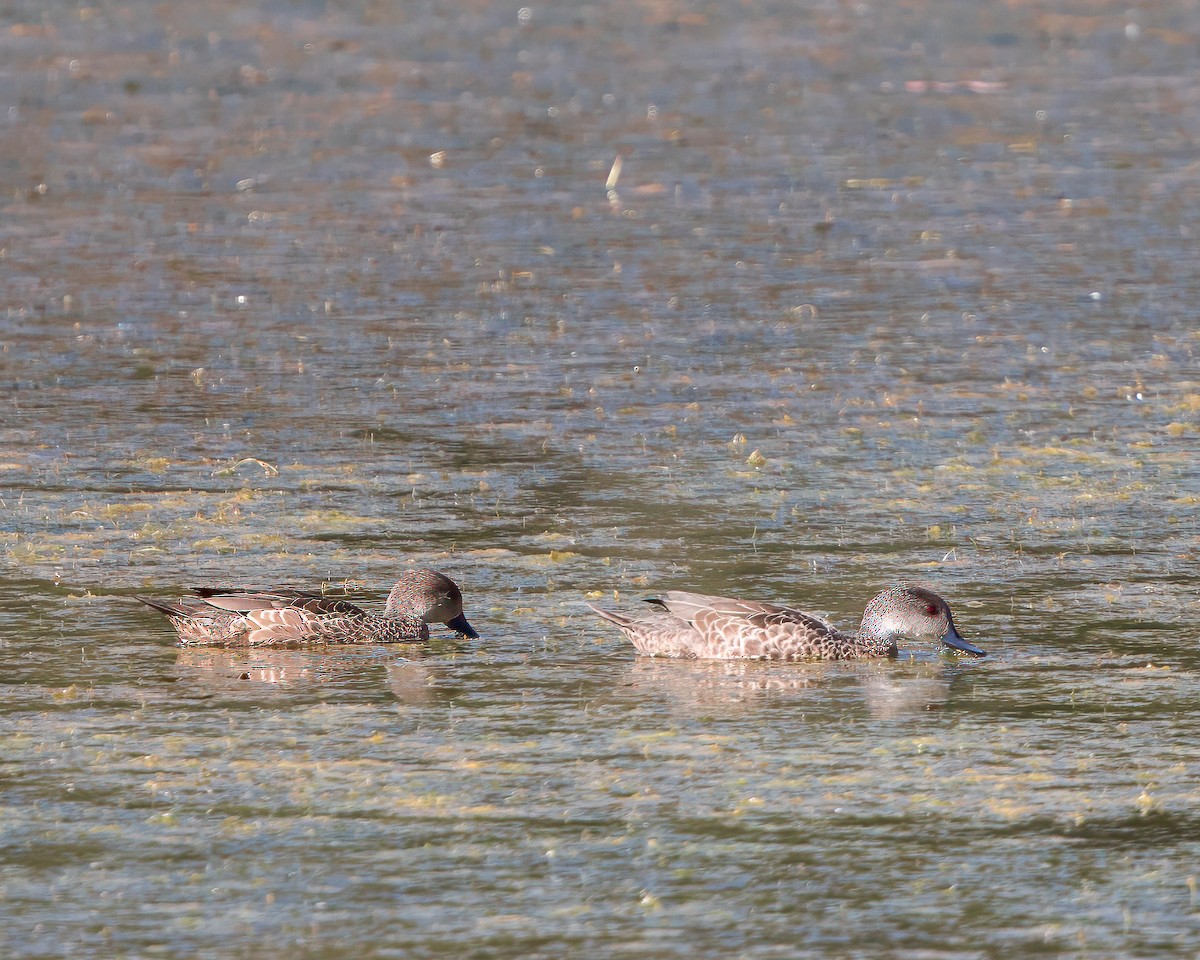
(299, 293)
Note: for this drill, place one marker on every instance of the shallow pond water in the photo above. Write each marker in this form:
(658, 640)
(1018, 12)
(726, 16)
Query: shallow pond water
(300, 294)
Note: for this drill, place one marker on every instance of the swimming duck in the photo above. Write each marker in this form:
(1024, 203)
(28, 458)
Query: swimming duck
(235, 617)
(695, 626)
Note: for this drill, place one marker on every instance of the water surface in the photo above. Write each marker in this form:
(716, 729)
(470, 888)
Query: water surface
(296, 294)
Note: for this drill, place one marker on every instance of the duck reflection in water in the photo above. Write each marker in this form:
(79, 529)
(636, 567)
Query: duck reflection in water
(734, 687)
(250, 673)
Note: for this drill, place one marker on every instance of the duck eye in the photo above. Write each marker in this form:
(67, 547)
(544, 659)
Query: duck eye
(930, 610)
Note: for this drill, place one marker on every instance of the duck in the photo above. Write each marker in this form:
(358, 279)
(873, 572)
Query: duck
(696, 626)
(234, 617)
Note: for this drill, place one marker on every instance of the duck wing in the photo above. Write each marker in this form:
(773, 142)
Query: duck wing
(689, 606)
(725, 628)
(247, 601)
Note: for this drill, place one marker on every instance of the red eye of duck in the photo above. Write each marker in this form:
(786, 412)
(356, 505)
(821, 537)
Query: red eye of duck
(930, 610)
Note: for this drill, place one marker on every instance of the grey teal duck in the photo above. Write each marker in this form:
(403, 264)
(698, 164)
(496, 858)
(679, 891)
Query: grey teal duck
(694, 626)
(236, 617)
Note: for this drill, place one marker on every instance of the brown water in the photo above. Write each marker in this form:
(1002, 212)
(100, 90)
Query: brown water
(297, 292)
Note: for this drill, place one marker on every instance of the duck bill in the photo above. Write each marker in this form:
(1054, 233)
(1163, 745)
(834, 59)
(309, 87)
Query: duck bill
(460, 625)
(954, 641)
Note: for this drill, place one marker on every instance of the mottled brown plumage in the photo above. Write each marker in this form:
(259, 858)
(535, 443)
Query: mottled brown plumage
(236, 617)
(696, 626)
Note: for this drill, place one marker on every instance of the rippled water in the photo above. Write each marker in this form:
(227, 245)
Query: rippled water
(297, 293)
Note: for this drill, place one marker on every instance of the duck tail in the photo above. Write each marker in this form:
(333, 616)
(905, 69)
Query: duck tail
(617, 618)
(162, 606)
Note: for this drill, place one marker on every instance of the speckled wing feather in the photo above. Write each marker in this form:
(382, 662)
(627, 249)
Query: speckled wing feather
(288, 624)
(768, 633)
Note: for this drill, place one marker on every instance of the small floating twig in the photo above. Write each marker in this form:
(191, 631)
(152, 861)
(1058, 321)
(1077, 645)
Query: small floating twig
(610, 185)
(268, 469)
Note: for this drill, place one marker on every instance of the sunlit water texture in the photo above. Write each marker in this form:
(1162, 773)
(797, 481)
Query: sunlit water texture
(304, 293)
